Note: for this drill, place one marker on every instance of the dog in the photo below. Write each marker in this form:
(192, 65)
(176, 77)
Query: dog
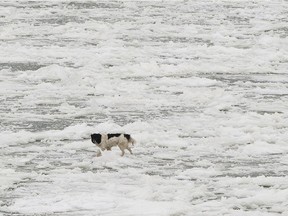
(107, 141)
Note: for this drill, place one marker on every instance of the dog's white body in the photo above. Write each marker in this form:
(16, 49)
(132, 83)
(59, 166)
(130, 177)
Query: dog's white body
(107, 141)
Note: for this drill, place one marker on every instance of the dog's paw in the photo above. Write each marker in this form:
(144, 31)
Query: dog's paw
(98, 154)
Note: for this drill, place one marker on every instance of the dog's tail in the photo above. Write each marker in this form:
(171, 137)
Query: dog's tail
(130, 139)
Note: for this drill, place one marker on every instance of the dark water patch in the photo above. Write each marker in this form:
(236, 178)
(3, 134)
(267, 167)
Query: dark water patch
(61, 20)
(122, 117)
(246, 81)
(282, 31)
(167, 111)
(136, 78)
(38, 5)
(94, 5)
(238, 20)
(252, 174)
(264, 112)
(153, 173)
(125, 117)
(11, 4)
(167, 39)
(108, 19)
(38, 126)
(235, 6)
(61, 164)
(21, 66)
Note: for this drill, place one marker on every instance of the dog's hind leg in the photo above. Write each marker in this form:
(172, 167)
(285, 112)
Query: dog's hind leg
(122, 148)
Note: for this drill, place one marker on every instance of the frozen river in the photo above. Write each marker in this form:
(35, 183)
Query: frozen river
(201, 85)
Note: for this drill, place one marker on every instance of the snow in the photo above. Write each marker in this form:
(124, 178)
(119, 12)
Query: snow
(201, 85)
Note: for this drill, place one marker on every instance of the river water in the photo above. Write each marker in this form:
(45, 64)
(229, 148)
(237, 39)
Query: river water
(201, 85)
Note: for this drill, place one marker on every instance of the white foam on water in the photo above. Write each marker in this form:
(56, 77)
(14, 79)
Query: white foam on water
(200, 85)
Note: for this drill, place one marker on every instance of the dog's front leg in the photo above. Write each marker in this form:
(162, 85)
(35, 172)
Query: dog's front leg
(102, 147)
(98, 154)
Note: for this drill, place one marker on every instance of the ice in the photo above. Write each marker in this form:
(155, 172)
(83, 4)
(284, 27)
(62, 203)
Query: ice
(200, 85)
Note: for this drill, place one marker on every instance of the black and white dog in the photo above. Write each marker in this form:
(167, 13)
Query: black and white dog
(107, 141)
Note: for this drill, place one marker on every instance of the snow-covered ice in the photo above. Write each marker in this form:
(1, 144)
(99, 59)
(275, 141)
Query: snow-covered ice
(201, 85)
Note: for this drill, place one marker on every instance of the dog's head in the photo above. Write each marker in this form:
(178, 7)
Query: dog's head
(96, 138)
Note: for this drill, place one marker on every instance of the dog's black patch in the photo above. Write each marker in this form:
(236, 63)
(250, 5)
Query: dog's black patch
(113, 135)
(96, 138)
(127, 136)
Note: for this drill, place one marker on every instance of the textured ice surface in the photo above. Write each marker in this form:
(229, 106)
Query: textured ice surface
(201, 85)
